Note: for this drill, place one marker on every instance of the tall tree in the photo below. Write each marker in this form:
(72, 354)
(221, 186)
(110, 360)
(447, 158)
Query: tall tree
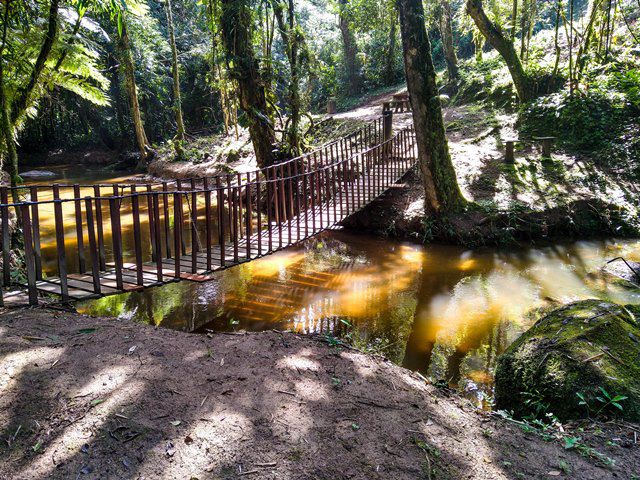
(390, 68)
(350, 47)
(175, 71)
(504, 46)
(292, 40)
(446, 33)
(442, 192)
(5, 121)
(128, 67)
(237, 33)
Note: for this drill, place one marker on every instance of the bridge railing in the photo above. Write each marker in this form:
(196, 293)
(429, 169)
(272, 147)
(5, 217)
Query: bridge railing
(100, 240)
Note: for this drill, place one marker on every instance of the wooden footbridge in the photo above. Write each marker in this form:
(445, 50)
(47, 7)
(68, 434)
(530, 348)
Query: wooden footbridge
(83, 241)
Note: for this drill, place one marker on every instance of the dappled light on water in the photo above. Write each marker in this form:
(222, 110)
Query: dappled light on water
(445, 311)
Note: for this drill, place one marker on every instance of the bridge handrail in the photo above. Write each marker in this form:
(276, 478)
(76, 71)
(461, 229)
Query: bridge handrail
(226, 186)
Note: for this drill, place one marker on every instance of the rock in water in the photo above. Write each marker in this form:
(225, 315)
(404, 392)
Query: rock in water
(38, 174)
(580, 348)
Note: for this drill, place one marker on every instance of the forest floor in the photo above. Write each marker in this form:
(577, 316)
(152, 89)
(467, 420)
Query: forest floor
(567, 195)
(85, 397)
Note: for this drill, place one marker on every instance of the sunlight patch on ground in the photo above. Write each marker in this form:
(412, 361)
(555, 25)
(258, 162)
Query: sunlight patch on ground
(68, 442)
(14, 364)
(300, 361)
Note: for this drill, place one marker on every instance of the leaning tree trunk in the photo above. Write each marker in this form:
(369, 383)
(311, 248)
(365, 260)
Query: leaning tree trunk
(126, 59)
(352, 69)
(237, 34)
(505, 48)
(446, 32)
(177, 101)
(438, 175)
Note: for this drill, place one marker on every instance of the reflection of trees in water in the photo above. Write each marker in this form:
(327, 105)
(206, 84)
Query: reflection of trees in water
(422, 342)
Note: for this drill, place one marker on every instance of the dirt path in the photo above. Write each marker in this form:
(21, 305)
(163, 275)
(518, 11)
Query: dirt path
(216, 153)
(96, 398)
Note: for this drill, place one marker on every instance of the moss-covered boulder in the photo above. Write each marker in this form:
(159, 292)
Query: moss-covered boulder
(581, 348)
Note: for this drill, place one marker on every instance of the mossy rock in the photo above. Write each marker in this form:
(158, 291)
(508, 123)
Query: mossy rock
(581, 348)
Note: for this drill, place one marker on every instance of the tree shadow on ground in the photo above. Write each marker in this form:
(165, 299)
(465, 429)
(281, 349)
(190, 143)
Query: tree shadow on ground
(81, 402)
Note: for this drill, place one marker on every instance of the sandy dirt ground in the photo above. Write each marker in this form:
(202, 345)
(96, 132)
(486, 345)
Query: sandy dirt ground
(89, 398)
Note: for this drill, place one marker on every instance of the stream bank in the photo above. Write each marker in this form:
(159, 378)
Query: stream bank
(96, 398)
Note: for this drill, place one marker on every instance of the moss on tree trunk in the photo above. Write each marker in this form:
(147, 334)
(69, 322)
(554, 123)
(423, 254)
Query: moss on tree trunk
(442, 192)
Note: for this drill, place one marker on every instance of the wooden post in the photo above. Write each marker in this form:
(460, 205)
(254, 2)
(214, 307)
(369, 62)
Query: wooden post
(283, 202)
(28, 254)
(387, 128)
(509, 153)
(93, 250)
(331, 106)
(156, 223)
(100, 228)
(152, 231)
(259, 213)
(268, 190)
(82, 264)
(547, 143)
(295, 181)
(165, 211)
(6, 238)
(194, 230)
(116, 239)
(137, 237)
(177, 231)
(62, 256)
(248, 214)
(35, 218)
(233, 209)
(220, 209)
(207, 218)
(305, 196)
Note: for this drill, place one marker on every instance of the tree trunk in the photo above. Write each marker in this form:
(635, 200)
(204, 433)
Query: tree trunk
(556, 37)
(243, 67)
(594, 7)
(126, 59)
(24, 96)
(177, 101)
(496, 38)
(438, 175)
(390, 68)
(446, 32)
(290, 41)
(351, 66)
(11, 162)
(514, 19)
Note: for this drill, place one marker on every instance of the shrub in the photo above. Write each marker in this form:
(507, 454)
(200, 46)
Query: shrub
(581, 121)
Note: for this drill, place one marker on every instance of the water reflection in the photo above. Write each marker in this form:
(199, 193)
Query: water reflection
(444, 311)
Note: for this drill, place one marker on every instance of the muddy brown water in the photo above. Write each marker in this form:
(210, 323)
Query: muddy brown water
(445, 311)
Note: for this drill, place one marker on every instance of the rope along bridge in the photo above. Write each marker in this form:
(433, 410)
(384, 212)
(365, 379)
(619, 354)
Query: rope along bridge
(84, 241)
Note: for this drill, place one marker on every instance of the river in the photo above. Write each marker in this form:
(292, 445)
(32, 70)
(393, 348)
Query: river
(445, 311)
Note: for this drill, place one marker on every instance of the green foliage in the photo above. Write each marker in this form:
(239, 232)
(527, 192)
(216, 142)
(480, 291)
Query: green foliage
(580, 122)
(485, 81)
